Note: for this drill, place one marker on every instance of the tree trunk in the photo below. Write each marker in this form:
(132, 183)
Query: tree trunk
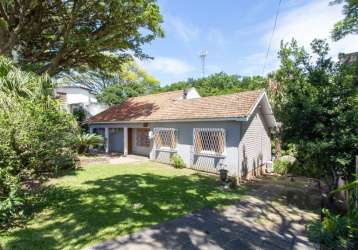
(278, 149)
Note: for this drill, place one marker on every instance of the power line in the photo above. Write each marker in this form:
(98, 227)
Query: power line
(273, 32)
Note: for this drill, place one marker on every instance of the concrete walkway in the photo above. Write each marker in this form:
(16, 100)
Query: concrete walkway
(112, 159)
(272, 215)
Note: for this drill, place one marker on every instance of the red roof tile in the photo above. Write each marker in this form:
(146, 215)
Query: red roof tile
(169, 106)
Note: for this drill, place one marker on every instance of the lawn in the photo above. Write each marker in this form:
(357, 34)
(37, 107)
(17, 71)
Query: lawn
(102, 201)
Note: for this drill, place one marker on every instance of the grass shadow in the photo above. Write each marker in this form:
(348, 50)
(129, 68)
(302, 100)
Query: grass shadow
(72, 217)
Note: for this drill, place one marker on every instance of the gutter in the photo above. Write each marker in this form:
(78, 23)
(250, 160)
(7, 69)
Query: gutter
(236, 119)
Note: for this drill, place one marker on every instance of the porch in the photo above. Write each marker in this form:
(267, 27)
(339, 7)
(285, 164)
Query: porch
(124, 140)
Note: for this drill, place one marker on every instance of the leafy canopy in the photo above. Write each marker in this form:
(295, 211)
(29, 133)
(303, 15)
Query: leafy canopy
(318, 108)
(115, 87)
(55, 36)
(218, 84)
(349, 24)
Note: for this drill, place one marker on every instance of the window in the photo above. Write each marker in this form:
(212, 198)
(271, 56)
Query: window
(209, 141)
(142, 137)
(165, 138)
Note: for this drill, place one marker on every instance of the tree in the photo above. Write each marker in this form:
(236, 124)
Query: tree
(55, 36)
(218, 84)
(349, 25)
(129, 81)
(37, 136)
(318, 109)
(98, 80)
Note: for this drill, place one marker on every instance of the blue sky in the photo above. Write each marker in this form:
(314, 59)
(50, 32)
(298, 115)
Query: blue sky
(236, 34)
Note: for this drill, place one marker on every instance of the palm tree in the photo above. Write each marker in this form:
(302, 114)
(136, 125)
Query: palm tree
(85, 141)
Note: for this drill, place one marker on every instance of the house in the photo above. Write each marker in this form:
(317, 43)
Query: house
(78, 97)
(209, 133)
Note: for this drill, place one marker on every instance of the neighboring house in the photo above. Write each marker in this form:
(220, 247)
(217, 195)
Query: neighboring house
(209, 133)
(76, 97)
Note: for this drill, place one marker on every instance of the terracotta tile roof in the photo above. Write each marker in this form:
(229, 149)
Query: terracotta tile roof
(168, 106)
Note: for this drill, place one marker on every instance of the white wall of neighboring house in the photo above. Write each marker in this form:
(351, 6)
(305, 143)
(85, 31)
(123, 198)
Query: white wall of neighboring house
(78, 96)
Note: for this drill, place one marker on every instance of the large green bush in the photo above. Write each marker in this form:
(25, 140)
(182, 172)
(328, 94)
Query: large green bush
(37, 136)
(281, 166)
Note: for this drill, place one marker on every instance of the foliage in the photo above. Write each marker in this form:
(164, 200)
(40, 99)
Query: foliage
(85, 141)
(80, 114)
(177, 161)
(281, 167)
(12, 199)
(98, 80)
(129, 81)
(317, 105)
(331, 233)
(104, 201)
(55, 36)
(349, 25)
(37, 136)
(218, 84)
(337, 231)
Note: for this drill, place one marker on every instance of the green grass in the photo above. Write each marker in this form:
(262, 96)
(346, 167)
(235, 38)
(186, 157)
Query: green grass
(102, 201)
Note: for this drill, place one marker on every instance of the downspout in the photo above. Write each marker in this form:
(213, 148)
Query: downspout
(238, 172)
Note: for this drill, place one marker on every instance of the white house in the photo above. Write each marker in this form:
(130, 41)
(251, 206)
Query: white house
(74, 97)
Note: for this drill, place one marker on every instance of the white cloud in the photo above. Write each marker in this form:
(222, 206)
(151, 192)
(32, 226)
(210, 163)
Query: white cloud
(186, 31)
(304, 23)
(167, 65)
(314, 20)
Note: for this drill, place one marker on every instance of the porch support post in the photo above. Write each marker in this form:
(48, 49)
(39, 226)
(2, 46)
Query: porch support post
(106, 139)
(90, 130)
(125, 139)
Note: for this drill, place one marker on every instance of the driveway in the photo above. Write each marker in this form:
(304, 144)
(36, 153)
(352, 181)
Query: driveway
(272, 215)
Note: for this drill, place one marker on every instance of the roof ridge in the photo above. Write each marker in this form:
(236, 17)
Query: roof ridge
(161, 93)
(225, 95)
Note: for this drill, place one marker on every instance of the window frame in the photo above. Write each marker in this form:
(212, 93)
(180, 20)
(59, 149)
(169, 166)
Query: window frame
(157, 131)
(212, 153)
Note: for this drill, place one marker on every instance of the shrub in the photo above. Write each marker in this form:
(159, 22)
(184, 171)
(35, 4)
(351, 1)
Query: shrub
(177, 161)
(331, 233)
(281, 166)
(11, 199)
(84, 141)
(37, 136)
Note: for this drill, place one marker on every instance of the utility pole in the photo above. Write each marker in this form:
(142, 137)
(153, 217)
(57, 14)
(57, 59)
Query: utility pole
(202, 56)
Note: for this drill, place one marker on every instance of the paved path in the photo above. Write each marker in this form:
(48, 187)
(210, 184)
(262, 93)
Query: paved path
(269, 217)
(115, 159)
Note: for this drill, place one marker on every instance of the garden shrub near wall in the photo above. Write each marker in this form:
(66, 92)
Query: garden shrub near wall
(37, 136)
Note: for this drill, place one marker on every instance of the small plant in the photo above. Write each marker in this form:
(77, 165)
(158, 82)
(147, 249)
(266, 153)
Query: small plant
(281, 166)
(177, 161)
(331, 233)
(84, 141)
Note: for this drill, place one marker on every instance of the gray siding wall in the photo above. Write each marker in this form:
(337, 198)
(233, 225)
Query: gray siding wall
(255, 144)
(199, 162)
(248, 144)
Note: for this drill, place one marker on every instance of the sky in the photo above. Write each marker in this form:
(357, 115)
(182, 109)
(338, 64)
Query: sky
(236, 34)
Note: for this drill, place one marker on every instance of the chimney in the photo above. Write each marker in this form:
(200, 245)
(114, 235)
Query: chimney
(185, 93)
